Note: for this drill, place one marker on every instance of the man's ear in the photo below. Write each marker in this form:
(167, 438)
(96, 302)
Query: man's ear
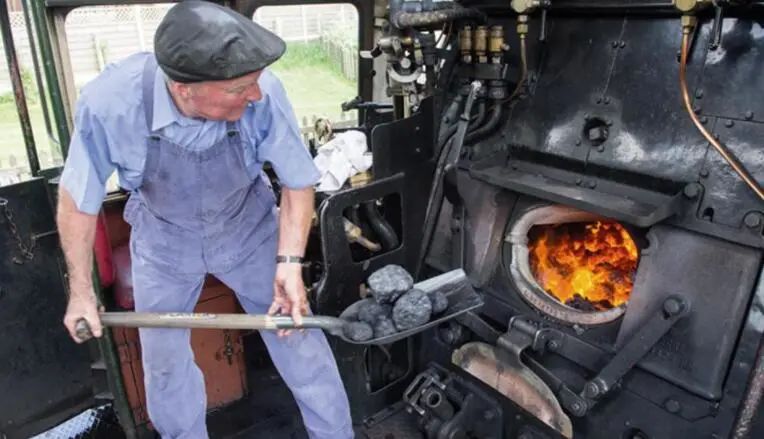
(180, 89)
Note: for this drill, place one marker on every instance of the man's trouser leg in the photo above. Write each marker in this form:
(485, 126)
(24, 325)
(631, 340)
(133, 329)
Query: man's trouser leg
(304, 360)
(175, 394)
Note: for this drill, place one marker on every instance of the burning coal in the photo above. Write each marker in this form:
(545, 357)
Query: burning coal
(588, 266)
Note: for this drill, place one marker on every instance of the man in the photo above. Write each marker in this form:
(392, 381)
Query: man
(189, 138)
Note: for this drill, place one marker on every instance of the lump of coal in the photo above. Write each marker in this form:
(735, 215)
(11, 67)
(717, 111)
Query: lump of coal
(384, 327)
(439, 302)
(411, 310)
(371, 311)
(358, 331)
(389, 282)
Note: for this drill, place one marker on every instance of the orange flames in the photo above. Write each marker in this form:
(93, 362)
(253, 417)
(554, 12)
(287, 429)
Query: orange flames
(588, 266)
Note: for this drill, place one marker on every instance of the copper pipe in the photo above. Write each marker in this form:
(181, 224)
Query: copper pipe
(727, 154)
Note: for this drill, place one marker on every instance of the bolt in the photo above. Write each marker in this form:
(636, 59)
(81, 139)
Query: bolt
(699, 94)
(591, 390)
(672, 306)
(704, 120)
(752, 220)
(622, 44)
(601, 148)
(672, 405)
(607, 101)
(579, 181)
(592, 184)
(578, 142)
(704, 173)
(729, 124)
(597, 134)
(576, 407)
(696, 110)
(614, 44)
(748, 115)
(691, 191)
(609, 123)
(553, 345)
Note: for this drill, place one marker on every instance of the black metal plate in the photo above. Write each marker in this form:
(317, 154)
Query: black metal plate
(717, 279)
(44, 376)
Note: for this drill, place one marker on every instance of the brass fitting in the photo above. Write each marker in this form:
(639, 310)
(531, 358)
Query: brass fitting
(354, 234)
(689, 22)
(522, 24)
(360, 179)
(525, 6)
(496, 44)
(687, 6)
(480, 42)
(465, 44)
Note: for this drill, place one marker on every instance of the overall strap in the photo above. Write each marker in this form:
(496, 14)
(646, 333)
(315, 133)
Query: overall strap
(149, 73)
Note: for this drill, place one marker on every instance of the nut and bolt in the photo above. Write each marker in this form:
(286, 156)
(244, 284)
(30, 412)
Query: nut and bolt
(672, 405)
(591, 390)
(672, 307)
(752, 220)
(553, 345)
(691, 191)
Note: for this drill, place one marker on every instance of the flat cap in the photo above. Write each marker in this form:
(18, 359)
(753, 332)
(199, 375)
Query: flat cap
(202, 41)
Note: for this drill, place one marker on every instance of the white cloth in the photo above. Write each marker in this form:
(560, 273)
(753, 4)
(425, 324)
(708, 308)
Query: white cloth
(341, 158)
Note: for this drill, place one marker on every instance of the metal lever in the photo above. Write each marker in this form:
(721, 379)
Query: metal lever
(542, 30)
(716, 40)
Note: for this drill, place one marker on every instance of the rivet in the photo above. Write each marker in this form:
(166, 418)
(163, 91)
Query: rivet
(607, 101)
(752, 220)
(748, 115)
(691, 191)
(672, 405)
(578, 142)
(696, 110)
(592, 184)
(579, 181)
(622, 44)
(699, 94)
(609, 123)
(614, 44)
(599, 100)
(729, 124)
(704, 173)
(704, 120)
(601, 148)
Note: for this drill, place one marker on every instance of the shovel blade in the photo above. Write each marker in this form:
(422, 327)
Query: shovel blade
(456, 287)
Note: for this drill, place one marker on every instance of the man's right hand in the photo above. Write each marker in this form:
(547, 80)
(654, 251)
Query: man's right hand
(82, 306)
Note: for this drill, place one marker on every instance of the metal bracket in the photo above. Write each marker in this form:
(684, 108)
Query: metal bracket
(525, 333)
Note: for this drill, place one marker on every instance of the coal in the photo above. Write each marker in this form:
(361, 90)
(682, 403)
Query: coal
(411, 310)
(389, 282)
(439, 302)
(358, 331)
(371, 311)
(384, 327)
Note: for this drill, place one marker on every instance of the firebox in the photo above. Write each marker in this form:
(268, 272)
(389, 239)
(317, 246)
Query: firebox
(574, 266)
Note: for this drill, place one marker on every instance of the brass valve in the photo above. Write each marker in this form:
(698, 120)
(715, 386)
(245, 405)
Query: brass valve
(690, 6)
(465, 44)
(480, 43)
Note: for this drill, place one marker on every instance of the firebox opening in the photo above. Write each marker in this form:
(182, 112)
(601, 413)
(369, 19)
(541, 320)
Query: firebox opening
(588, 266)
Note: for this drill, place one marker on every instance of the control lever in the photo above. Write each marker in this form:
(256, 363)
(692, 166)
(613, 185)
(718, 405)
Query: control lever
(716, 38)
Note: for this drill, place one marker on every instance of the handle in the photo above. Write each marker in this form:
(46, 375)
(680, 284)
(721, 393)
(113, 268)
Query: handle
(210, 321)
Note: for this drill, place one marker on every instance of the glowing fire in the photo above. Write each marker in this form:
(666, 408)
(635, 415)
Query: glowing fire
(588, 266)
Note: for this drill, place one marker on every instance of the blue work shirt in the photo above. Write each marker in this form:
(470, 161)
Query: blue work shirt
(110, 133)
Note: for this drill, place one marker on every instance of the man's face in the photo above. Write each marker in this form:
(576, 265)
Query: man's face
(219, 100)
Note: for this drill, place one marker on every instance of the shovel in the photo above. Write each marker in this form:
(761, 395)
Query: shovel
(454, 284)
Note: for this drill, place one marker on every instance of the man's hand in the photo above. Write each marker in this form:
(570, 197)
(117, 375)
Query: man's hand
(289, 295)
(82, 306)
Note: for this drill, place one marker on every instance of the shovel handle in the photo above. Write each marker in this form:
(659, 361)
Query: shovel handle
(203, 320)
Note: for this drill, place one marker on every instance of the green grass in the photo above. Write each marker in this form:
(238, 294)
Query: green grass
(314, 85)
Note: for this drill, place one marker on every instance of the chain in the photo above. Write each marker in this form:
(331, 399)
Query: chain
(26, 251)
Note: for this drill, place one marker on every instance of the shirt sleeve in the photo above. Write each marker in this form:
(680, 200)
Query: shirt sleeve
(88, 165)
(281, 141)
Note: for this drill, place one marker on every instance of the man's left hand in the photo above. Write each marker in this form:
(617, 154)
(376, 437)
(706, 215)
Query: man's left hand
(289, 296)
